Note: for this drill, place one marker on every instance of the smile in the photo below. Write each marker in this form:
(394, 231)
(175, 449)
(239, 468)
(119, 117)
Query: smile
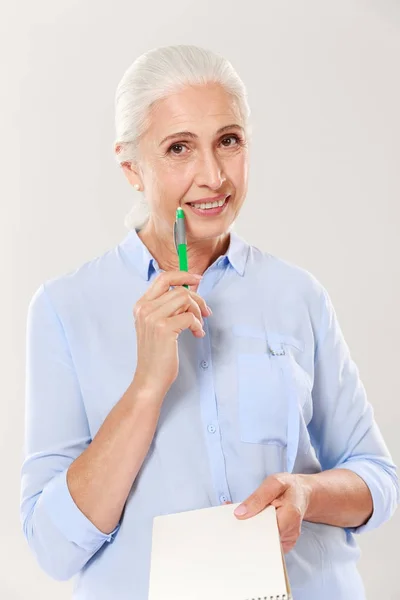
(210, 208)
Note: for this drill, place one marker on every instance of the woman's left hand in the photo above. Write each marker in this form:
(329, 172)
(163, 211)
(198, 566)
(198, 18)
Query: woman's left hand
(289, 495)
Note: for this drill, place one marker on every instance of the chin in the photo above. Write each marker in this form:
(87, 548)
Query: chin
(204, 231)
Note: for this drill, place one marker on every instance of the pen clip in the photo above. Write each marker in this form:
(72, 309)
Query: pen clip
(176, 247)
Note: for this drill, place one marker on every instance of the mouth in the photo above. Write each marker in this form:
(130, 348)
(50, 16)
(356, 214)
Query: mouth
(209, 209)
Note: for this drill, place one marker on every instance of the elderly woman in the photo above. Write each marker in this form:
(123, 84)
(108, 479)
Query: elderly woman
(146, 397)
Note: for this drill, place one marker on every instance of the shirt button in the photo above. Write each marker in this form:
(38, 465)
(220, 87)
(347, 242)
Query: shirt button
(212, 428)
(204, 364)
(223, 499)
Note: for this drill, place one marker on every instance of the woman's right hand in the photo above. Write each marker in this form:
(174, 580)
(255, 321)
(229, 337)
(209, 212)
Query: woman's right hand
(160, 316)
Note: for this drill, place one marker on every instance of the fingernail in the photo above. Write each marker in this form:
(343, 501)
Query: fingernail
(209, 310)
(197, 276)
(240, 510)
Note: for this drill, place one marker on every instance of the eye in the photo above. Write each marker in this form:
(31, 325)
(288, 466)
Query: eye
(173, 146)
(176, 148)
(230, 137)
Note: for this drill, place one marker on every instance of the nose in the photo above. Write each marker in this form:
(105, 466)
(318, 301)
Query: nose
(209, 171)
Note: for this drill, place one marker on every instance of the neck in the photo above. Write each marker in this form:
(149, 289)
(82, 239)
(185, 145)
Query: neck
(201, 253)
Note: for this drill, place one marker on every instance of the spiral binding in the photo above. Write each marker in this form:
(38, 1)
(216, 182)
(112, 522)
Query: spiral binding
(279, 597)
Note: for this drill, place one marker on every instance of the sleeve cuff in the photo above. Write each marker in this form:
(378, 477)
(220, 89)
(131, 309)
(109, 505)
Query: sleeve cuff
(384, 500)
(69, 519)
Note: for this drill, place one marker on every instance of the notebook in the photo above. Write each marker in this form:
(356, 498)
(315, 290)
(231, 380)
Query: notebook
(209, 554)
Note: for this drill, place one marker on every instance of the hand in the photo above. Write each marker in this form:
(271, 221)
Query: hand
(290, 496)
(161, 315)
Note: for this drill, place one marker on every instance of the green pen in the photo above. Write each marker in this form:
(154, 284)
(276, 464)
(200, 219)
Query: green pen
(180, 241)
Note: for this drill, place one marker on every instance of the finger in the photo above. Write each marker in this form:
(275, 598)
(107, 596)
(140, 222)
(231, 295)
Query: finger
(289, 522)
(172, 303)
(289, 541)
(205, 309)
(164, 281)
(194, 286)
(186, 320)
(288, 546)
(289, 529)
(270, 489)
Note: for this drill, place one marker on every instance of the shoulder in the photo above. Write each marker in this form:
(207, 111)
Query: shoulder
(284, 275)
(83, 286)
(292, 290)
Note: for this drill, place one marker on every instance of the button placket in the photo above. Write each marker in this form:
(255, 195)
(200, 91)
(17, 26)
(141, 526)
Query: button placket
(210, 417)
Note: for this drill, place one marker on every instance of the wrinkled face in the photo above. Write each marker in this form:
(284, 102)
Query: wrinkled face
(195, 155)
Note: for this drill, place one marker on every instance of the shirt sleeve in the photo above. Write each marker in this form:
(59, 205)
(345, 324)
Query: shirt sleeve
(343, 430)
(61, 537)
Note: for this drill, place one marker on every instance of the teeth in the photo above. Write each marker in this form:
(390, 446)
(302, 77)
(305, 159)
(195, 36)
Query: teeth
(206, 205)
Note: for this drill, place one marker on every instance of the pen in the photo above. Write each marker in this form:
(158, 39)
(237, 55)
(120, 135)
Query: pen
(180, 241)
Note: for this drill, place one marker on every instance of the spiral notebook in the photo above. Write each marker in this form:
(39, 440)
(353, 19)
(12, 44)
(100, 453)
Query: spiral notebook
(209, 554)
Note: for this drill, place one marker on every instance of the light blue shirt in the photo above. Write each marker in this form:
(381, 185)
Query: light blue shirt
(270, 388)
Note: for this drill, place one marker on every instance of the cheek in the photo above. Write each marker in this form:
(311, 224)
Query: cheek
(236, 170)
(170, 183)
(175, 177)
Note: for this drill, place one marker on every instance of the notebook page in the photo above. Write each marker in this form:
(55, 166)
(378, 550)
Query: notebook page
(208, 554)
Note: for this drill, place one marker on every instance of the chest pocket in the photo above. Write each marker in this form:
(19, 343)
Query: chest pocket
(272, 389)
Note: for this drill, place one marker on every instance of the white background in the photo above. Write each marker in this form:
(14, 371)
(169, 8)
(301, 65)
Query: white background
(323, 84)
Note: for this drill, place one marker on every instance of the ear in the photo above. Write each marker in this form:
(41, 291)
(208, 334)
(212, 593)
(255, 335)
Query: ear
(130, 170)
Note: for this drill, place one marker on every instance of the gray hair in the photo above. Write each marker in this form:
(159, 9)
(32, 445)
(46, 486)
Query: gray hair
(153, 76)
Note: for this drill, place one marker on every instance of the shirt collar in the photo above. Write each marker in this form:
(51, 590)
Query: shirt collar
(143, 262)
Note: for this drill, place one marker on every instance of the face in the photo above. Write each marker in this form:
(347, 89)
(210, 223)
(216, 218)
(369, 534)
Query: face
(207, 162)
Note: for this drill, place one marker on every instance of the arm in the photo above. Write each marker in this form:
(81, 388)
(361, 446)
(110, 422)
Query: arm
(359, 488)
(113, 459)
(73, 489)
(337, 497)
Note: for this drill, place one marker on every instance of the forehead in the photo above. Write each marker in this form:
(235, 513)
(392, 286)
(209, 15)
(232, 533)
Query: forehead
(207, 105)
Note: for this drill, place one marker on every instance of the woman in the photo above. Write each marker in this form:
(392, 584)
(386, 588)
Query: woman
(147, 398)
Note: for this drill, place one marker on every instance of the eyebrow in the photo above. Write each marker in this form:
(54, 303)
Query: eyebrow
(193, 136)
